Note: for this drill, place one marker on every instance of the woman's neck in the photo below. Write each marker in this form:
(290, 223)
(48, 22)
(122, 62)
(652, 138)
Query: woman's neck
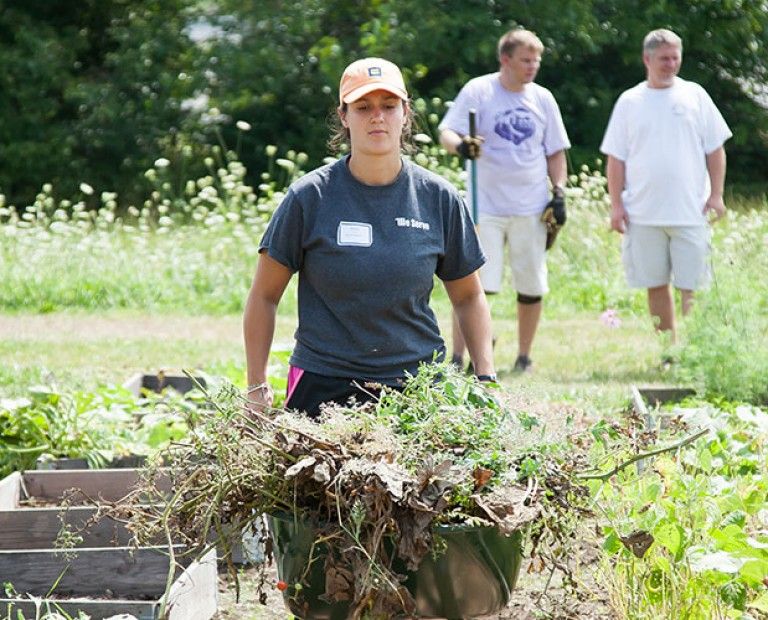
(375, 169)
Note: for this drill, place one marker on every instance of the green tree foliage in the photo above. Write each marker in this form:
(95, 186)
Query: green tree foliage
(95, 90)
(725, 49)
(35, 121)
(91, 90)
(593, 54)
(276, 64)
(129, 101)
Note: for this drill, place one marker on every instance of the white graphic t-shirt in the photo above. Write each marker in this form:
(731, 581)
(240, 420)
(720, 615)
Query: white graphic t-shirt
(521, 129)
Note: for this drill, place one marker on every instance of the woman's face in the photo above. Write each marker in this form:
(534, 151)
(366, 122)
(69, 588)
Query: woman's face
(375, 123)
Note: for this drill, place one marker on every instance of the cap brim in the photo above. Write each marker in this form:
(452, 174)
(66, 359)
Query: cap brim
(362, 91)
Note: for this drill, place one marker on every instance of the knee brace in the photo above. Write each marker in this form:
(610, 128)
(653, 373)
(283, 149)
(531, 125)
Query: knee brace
(528, 300)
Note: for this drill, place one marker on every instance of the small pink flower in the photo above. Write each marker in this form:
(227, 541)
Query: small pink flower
(610, 318)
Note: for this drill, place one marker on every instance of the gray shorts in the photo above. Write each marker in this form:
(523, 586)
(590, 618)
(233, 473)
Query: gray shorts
(657, 255)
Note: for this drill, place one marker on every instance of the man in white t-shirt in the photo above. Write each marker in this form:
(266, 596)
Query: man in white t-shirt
(666, 172)
(519, 152)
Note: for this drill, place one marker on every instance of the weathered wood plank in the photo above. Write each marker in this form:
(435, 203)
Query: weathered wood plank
(10, 488)
(37, 528)
(107, 485)
(660, 396)
(96, 610)
(193, 596)
(118, 572)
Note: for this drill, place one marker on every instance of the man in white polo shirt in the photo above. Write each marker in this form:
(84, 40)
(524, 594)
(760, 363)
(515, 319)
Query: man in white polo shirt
(522, 153)
(666, 172)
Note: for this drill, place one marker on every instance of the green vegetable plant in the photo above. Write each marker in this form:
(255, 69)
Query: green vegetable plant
(97, 425)
(688, 537)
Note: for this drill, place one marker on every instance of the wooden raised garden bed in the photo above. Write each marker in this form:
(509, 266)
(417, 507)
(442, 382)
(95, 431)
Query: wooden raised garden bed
(101, 576)
(646, 403)
(140, 383)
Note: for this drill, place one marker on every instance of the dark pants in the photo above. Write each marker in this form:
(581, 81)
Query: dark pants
(312, 390)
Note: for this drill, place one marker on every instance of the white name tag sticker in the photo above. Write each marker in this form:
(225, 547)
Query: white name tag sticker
(354, 233)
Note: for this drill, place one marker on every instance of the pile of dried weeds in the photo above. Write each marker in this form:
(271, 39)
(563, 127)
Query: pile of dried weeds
(443, 450)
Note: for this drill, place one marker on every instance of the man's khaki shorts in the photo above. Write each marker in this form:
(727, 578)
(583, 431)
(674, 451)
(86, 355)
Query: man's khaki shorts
(657, 255)
(526, 237)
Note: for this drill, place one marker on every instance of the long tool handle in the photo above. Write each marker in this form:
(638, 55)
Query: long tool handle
(473, 165)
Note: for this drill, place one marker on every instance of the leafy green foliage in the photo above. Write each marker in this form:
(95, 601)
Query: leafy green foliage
(723, 351)
(99, 425)
(704, 510)
(91, 85)
(107, 86)
(150, 66)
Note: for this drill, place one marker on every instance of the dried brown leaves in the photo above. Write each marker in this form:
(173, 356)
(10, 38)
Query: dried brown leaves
(376, 477)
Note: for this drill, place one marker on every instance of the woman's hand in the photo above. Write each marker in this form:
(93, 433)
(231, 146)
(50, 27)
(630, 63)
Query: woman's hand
(258, 398)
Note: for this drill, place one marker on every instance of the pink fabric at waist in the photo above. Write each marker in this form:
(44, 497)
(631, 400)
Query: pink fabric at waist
(294, 376)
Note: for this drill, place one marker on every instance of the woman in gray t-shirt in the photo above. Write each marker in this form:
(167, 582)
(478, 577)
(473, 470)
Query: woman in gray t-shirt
(366, 235)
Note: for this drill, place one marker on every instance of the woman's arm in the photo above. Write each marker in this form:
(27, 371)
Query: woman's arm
(259, 325)
(471, 309)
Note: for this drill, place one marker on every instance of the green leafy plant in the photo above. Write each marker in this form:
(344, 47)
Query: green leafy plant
(686, 538)
(98, 426)
(722, 351)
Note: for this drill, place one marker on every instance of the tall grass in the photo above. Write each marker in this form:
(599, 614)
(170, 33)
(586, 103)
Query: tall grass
(724, 350)
(193, 250)
(191, 246)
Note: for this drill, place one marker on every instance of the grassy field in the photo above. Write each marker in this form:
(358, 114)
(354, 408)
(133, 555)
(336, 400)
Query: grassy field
(577, 358)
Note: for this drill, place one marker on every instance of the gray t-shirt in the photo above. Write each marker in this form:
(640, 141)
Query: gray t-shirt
(366, 258)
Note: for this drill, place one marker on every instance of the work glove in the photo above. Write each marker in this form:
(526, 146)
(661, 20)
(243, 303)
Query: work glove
(554, 215)
(469, 147)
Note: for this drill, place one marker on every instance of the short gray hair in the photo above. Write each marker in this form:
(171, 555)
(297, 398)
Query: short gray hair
(662, 36)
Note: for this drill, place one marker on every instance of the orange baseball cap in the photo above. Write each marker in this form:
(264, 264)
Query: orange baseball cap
(369, 74)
